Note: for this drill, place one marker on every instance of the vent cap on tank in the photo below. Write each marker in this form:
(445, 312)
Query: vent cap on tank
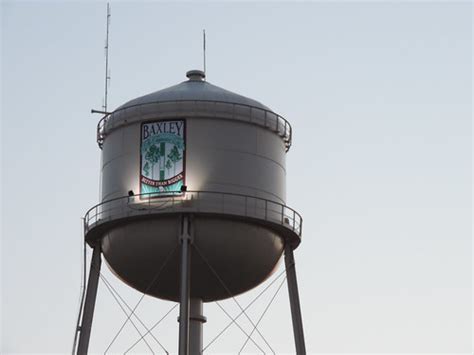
(195, 75)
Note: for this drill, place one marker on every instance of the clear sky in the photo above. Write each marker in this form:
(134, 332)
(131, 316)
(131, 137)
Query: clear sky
(379, 96)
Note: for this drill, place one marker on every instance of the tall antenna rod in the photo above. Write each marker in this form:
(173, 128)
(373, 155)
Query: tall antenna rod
(107, 74)
(204, 49)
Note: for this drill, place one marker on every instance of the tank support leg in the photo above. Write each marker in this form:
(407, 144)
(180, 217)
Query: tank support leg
(294, 300)
(89, 305)
(185, 240)
(195, 327)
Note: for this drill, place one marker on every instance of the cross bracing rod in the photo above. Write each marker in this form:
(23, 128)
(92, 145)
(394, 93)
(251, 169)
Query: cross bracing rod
(119, 298)
(109, 288)
(231, 296)
(150, 285)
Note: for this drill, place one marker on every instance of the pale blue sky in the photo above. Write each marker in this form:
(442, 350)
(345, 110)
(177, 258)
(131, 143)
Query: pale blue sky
(379, 96)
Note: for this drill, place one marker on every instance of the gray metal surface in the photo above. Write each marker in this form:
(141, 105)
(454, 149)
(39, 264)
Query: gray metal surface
(194, 98)
(278, 216)
(196, 321)
(295, 306)
(195, 109)
(184, 289)
(233, 215)
(194, 89)
(138, 232)
(244, 254)
(224, 156)
(89, 305)
(235, 172)
(236, 151)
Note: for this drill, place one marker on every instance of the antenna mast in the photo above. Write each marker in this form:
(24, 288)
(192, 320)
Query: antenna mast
(107, 74)
(204, 49)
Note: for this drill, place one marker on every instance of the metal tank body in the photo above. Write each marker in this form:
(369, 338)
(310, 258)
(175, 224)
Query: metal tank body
(226, 170)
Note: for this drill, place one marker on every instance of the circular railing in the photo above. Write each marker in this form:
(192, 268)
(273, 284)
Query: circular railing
(207, 202)
(211, 108)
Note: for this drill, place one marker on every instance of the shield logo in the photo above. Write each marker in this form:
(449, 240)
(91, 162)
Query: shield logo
(162, 156)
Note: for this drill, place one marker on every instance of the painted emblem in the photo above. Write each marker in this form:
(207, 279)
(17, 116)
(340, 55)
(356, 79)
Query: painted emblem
(162, 155)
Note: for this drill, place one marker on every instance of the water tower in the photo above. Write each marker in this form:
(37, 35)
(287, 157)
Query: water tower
(193, 202)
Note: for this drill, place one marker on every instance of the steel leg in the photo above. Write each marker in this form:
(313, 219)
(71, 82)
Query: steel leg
(195, 327)
(294, 300)
(185, 239)
(92, 283)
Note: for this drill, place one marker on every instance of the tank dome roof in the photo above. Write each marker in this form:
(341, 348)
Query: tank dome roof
(194, 98)
(194, 89)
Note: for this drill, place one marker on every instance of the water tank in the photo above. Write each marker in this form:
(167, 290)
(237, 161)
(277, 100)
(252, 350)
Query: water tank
(216, 156)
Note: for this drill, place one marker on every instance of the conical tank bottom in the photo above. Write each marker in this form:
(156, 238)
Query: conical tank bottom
(228, 256)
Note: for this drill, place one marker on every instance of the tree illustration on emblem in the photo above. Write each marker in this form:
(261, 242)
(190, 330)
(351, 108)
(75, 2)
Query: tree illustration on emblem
(168, 166)
(146, 169)
(152, 156)
(174, 156)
